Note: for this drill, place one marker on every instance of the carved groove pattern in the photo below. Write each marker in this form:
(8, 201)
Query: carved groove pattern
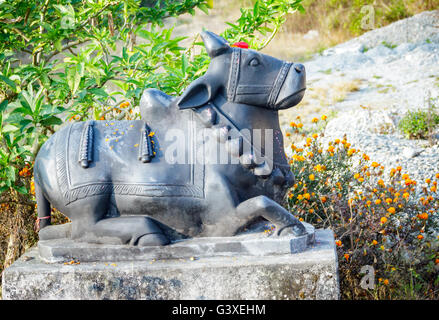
(86, 144)
(146, 150)
(61, 147)
(234, 74)
(278, 84)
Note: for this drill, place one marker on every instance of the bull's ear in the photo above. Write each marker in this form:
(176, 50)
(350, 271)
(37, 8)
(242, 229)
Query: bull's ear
(196, 95)
(215, 45)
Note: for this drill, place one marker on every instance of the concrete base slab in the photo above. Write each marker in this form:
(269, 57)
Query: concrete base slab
(250, 244)
(311, 274)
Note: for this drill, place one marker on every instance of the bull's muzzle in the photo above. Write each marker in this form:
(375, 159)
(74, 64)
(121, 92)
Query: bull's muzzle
(293, 87)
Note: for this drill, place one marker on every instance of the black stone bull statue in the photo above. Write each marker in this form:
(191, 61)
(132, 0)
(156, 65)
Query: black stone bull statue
(115, 181)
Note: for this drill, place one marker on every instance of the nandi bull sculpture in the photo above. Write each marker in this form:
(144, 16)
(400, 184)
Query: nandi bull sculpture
(114, 179)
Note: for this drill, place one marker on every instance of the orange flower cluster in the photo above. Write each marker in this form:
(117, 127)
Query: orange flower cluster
(341, 188)
(25, 172)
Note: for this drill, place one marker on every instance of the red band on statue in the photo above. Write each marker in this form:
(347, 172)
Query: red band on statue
(37, 222)
(241, 44)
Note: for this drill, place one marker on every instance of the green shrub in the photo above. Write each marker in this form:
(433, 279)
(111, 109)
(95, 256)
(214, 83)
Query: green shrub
(76, 60)
(419, 124)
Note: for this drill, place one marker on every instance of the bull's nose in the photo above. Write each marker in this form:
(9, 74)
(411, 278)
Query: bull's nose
(299, 67)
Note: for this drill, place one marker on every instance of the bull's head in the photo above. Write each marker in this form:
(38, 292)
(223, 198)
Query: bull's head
(245, 76)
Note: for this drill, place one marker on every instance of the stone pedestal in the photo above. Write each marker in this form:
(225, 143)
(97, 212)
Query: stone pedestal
(230, 271)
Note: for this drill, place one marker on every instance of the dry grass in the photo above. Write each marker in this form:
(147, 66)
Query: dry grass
(342, 89)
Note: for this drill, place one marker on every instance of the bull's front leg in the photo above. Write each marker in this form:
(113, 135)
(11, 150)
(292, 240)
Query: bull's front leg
(263, 206)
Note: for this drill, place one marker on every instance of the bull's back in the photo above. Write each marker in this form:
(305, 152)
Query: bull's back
(114, 150)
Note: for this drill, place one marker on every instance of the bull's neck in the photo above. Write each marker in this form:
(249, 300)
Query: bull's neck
(244, 116)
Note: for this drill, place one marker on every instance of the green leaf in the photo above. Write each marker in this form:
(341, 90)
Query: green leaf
(3, 105)
(9, 82)
(21, 189)
(9, 128)
(10, 173)
(51, 121)
(184, 64)
(73, 80)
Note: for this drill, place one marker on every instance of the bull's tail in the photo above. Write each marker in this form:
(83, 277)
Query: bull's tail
(43, 208)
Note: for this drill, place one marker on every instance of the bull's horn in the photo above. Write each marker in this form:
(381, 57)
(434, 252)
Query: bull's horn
(215, 45)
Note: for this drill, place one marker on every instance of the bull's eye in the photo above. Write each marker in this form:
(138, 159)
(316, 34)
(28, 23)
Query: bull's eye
(254, 62)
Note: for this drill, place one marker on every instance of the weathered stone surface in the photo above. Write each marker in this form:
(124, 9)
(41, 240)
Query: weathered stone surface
(307, 275)
(250, 244)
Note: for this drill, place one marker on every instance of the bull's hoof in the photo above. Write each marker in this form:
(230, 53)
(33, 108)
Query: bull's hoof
(152, 239)
(296, 229)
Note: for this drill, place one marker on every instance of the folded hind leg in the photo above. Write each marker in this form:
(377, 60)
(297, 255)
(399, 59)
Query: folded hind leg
(141, 231)
(96, 220)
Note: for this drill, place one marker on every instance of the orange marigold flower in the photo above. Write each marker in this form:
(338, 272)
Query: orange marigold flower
(386, 282)
(374, 242)
(391, 210)
(378, 201)
(324, 117)
(299, 125)
(375, 164)
(293, 124)
(323, 199)
(315, 120)
(427, 180)
(346, 256)
(433, 188)
(338, 243)
(288, 134)
(437, 175)
(423, 216)
(420, 236)
(307, 196)
(383, 220)
(312, 177)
